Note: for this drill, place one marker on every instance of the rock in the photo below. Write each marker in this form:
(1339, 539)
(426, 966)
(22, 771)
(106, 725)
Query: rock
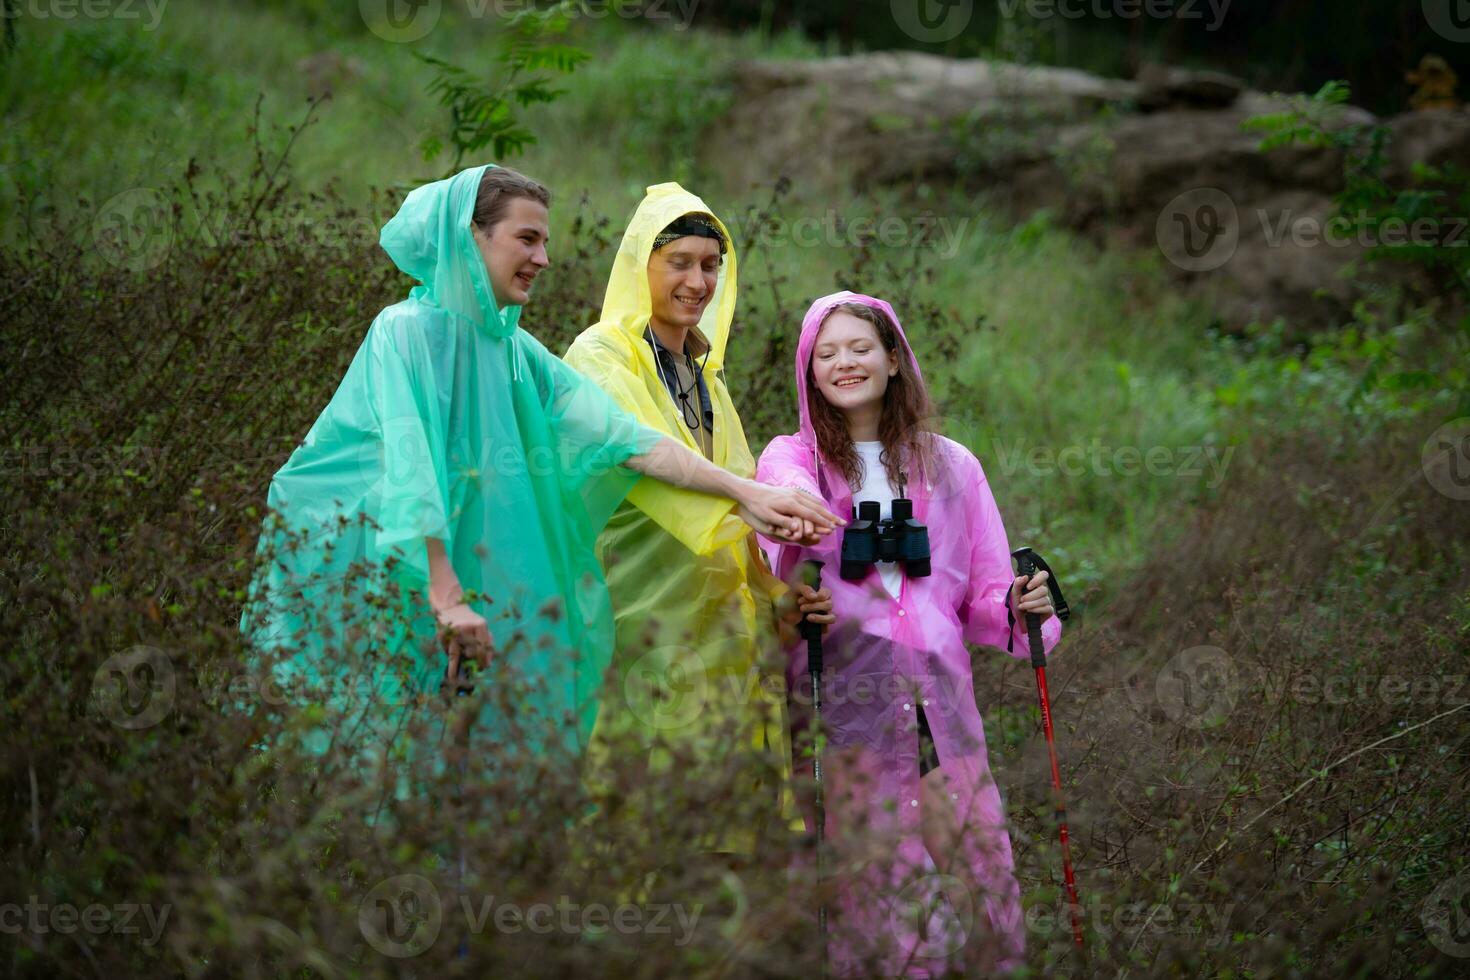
(1120, 161)
(1160, 87)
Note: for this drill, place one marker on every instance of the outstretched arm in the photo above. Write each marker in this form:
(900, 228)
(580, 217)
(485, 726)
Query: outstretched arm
(774, 511)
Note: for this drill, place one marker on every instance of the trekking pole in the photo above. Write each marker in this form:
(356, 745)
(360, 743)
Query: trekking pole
(811, 573)
(1029, 563)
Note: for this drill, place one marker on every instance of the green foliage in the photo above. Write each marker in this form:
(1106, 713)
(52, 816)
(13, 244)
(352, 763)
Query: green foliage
(1421, 221)
(482, 114)
(145, 411)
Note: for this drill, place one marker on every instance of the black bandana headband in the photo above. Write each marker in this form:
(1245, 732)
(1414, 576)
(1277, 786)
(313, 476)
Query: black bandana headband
(686, 225)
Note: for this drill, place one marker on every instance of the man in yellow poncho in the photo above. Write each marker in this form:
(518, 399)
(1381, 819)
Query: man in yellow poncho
(692, 595)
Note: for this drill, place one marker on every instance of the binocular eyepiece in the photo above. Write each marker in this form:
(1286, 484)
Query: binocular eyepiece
(900, 538)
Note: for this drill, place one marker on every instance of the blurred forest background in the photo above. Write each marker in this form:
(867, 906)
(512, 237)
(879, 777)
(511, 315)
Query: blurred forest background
(1262, 696)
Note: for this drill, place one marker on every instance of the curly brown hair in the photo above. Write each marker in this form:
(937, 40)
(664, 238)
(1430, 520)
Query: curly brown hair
(906, 426)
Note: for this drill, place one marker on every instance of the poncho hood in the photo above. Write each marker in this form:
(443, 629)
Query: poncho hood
(811, 325)
(628, 303)
(430, 239)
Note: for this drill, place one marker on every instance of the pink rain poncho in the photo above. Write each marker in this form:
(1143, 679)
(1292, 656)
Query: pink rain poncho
(884, 658)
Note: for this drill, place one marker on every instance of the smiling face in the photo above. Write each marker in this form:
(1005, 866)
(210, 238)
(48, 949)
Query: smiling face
(851, 367)
(681, 281)
(514, 250)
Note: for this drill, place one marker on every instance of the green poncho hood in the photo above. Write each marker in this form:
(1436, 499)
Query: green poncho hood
(430, 239)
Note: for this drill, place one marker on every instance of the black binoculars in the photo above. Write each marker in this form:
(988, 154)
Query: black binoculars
(900, 538)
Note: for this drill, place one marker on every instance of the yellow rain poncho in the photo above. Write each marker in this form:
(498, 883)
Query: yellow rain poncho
(692, 595)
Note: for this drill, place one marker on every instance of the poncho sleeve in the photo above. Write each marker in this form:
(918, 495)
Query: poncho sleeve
(594, 435)
(787, 462)
(703, 523)
(983, 612)
(403, 456)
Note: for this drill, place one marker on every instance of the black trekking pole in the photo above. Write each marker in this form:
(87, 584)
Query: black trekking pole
(811, 573)
(1029, 563)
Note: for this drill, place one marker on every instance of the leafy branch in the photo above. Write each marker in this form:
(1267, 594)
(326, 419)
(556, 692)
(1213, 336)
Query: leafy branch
(484, 113)
(1372, 207)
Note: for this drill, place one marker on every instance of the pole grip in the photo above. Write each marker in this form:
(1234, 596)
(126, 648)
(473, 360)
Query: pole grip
(811, 575)
(1028, 563)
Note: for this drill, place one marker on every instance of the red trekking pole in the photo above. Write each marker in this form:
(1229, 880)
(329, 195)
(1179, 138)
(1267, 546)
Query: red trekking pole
(1029, 563)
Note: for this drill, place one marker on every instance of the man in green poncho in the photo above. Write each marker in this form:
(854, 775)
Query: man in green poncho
(455, 486)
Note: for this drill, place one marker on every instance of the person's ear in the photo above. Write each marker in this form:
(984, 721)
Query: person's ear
(893, 364)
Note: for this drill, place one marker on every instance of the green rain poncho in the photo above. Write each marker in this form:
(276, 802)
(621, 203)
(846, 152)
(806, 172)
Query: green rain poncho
(690, 587)
(454, 423)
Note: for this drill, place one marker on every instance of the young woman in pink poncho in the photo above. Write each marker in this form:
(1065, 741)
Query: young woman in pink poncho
(915, 829)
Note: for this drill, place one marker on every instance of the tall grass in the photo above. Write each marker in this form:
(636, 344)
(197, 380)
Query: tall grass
(146, 406)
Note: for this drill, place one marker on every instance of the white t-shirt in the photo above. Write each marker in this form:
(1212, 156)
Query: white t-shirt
(876, 487)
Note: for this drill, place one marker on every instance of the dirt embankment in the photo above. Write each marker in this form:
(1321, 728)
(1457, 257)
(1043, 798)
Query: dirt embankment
(1158, 162)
